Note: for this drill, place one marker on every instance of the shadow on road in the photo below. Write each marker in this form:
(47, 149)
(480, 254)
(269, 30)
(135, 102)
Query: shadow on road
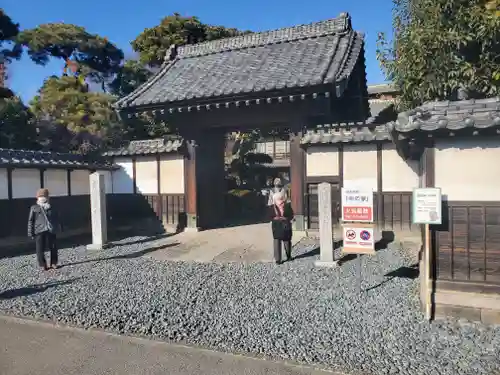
(33, 289)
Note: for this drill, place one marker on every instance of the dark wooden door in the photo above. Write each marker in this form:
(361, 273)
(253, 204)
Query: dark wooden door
(312, 205)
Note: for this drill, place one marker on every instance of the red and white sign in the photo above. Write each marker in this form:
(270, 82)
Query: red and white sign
(357, 205)
(358, 239)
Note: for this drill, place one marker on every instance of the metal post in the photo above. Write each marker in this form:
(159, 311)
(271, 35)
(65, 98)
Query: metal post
(427, 273)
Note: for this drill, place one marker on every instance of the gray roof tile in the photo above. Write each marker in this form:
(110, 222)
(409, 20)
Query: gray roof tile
(450, 115)
(351, 134)
(148, 147)
(41, 159)
(372, 129)
(301, 56)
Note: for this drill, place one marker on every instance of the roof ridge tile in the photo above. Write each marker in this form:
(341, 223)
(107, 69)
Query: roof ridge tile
(340, 24)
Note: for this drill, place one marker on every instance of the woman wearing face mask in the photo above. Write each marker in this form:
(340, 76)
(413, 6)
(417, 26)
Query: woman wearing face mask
(277, 188)
(42, 222)
(282, 226)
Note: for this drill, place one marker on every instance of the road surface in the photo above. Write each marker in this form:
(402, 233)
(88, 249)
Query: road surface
(35, 348)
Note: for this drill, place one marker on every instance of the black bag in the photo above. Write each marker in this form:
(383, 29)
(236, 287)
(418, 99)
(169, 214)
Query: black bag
(282, 228)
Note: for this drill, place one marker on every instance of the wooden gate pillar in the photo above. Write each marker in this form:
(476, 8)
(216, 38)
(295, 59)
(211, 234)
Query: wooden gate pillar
(204, 179)
(297, 177)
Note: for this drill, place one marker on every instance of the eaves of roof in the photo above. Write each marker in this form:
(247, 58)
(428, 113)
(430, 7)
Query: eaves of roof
(449, 115)
(14, 158)
(148, 147)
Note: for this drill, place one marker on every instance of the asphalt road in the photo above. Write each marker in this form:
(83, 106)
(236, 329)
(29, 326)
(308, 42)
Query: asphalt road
(35, 348)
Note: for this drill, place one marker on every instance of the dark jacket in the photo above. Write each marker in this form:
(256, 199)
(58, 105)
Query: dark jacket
(282, 228)
(37, 223)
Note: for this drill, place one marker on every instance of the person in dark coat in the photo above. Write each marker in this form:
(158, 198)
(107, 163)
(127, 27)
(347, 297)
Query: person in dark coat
(42, 224)
(281, 225)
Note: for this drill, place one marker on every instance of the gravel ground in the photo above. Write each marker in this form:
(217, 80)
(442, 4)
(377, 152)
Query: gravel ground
(294, 311)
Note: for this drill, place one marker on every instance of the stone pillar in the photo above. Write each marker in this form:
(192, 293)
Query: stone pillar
(325, 226)
(297, 177)
(98, 211)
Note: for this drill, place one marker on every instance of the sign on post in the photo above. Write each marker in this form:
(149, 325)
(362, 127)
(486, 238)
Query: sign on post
(358, 239)
(427, 206)
(357, 205)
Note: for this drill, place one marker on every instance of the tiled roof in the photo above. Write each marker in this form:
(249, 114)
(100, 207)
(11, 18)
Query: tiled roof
(53, 160)
(450, 115)
(351, 134)
(148, 147)
(290, 58)
(373, 129)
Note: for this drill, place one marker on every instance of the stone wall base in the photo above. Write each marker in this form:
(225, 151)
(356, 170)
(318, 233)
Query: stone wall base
(475, 307)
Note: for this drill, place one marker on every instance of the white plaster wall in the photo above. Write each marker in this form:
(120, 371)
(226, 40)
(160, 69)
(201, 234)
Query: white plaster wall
(468, 169)
(25, 183)
(172, 174)
(322, 161)
(4, 187)
(123, 178)
(146, 175)
(398, 174)
(56, 181)
(108, 181)
(360, 166)
(80, 182)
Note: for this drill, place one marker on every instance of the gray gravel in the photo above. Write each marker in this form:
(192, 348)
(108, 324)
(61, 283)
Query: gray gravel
(294, 311)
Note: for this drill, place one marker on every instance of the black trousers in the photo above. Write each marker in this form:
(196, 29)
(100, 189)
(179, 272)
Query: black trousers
(46, 241)
(277, 249)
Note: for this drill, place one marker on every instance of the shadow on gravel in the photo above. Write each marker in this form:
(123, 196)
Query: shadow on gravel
(133, 255)
(115, 238)
(411, 273)
(33, 289)
(315, 251)
(144, 240)
(387, 238)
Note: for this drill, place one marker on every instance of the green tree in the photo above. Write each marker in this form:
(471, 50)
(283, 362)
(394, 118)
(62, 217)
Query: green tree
(8, 32)
(153, 43)
(17, 130)
(442, 47)
(71, 116)
(245, 163)
(85, 55)
(130, 76)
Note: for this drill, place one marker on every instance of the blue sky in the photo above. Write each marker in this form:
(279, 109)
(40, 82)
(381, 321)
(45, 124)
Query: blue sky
(121, 21)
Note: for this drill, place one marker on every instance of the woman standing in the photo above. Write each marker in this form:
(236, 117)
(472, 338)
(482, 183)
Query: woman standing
(42, 223)
(281, 225)
(277, 188)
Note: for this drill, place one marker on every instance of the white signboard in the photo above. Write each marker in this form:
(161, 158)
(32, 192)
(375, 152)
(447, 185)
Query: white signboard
(427, 206)
(357, 205)
(358, 239)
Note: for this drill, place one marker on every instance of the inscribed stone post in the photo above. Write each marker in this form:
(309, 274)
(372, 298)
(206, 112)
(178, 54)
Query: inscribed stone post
(325, 226)
(98, 211)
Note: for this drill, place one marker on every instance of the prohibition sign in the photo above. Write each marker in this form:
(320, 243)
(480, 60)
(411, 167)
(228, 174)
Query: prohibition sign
(365, 235)
(350, 234)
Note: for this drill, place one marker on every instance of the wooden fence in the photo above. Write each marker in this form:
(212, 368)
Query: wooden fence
(393, 213)
(467, 244)
(74, 211)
